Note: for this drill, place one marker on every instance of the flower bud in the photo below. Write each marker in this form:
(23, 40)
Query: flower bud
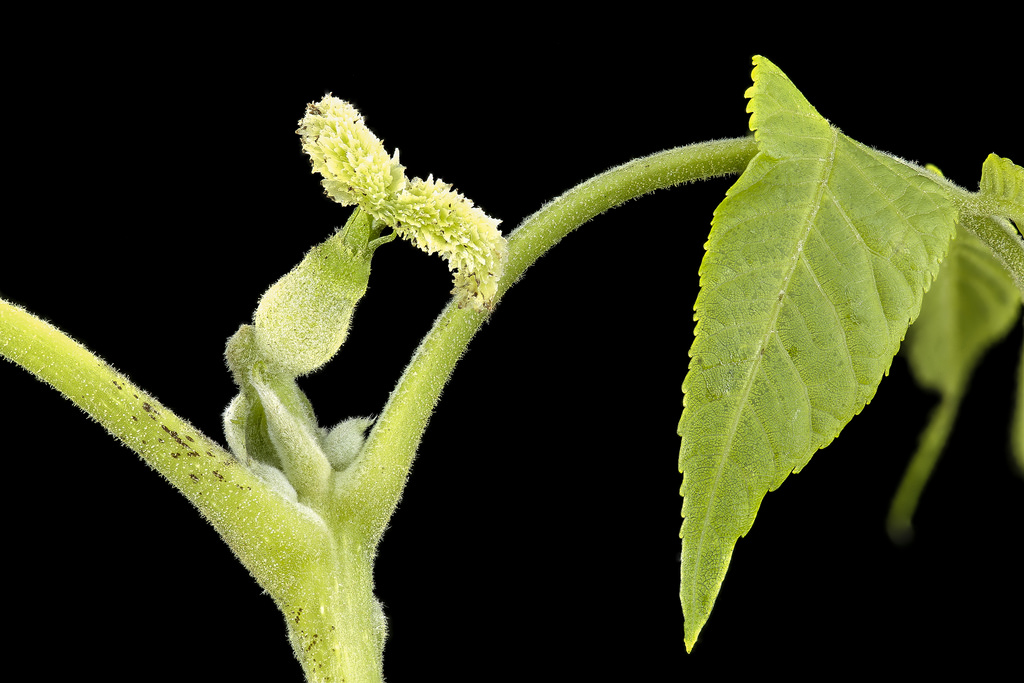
(303, 319)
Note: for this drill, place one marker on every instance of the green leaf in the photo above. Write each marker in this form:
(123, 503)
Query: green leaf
(972, 305)
(817, 262)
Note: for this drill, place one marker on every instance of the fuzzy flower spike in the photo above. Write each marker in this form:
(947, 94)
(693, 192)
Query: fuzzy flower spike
(429, 213)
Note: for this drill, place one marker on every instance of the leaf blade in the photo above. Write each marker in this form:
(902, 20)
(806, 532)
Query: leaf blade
(788, 344)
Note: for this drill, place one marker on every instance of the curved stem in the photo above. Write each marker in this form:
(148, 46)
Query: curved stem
(325, 597)
(259, 525)
(381, 471)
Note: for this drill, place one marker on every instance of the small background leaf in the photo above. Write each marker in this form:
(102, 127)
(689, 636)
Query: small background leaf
(816, 264)
(972, 305)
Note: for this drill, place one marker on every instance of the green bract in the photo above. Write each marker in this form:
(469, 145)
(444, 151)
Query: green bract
(303, 319)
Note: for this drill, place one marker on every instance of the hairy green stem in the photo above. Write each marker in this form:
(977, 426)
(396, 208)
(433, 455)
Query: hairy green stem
(280, 543)
(391, 445)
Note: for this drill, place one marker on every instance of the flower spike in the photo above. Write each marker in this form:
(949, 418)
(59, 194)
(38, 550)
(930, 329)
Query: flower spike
(429, 213)
(355, 166)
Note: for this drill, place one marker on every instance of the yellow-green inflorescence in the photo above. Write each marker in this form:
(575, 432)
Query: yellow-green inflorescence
(429, 213)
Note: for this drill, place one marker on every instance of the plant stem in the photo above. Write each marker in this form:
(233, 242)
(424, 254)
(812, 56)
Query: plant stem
(899, 523)
(260, 527)
(326, 596)
(282, 544)
(337, 629)
(391, 445)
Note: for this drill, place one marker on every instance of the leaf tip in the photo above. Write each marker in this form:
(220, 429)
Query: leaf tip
(690, 639)
(695, 615)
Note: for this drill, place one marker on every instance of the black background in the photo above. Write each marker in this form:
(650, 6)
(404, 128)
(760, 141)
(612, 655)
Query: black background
(159, 178)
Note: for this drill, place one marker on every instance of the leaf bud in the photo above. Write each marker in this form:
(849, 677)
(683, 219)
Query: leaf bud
(342, 443)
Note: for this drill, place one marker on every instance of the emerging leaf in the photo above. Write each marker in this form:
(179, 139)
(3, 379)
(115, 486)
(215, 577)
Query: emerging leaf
(816, 264)
(1002, 178)
(1002, 184)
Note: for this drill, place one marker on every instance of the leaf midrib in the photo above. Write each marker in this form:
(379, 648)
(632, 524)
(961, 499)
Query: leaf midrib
(777, 308)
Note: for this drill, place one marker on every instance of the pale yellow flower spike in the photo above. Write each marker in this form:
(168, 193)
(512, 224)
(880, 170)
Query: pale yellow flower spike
(429, 213)
(437, 219)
